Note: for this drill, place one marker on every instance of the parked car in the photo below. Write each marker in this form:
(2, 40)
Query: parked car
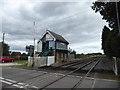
(6, 59)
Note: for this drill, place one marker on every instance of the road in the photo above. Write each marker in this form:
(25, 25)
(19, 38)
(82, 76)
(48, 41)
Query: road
(8, 64)
(23, 78)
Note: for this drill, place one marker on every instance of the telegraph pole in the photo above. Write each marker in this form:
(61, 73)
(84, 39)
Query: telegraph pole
(3, 37)
(118, 18)
(33, 43)
(1, 46)
(117, 63)
(34, 39)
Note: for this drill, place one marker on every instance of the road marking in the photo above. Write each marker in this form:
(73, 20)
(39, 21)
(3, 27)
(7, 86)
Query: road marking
(5, 82)
(1, 78)
(14, 83)
(11, 80)
(17, 85)
(21, 83)
(10, 83)
(94, 81)
(34, 87)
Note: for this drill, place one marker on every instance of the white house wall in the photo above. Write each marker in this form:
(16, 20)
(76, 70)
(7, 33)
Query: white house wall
(39, 47)
(49, 37)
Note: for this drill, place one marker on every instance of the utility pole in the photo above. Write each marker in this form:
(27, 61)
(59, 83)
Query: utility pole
(2, 45)
(3, 37)
(118, 18)
(33, 43)
(117, 61)
(34, 39)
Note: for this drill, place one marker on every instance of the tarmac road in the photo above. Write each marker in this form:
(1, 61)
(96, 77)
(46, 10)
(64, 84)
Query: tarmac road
(22, 78)
(8, 64)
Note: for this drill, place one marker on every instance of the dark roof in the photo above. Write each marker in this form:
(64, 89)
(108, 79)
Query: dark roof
(58, 37)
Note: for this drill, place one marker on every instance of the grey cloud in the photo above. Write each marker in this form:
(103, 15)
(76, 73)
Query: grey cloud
(27, 14)
(81, 25)
(52, 9)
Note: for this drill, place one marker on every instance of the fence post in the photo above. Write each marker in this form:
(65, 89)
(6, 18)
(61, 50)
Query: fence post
(115, 66)
(118, 65)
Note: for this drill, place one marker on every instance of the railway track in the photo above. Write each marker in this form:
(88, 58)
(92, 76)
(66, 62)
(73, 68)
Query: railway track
(67, 66)
(95, 61)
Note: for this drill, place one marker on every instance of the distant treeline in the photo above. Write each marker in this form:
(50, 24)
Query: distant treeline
(19, 56)
(87, 55)
(84, 55)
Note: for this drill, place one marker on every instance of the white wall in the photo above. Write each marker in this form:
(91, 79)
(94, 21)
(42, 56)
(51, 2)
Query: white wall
(115, 66)
(50, 60)
(49, 37)
(41, 61)
(39, 46)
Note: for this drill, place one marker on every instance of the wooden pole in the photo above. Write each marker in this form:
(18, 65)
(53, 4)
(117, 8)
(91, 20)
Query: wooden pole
(118, 18)
(3, 37)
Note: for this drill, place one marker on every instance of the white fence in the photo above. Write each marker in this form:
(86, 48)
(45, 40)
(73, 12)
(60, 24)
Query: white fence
(41, 61)
(116, 67)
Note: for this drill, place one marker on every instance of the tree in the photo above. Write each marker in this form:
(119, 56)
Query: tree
(110, 38)
(73, 52)
(5, 49)
(24, 56)
(108, 11)
(106, 44)
(30, 50)
(16, 55)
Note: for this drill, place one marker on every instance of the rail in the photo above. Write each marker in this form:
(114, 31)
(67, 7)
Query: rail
(66, 75)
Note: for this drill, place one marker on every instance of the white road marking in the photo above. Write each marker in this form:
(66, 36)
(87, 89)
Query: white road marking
(5, 82)
(11, 80)
(93, 83)
(21, 84)
(34, 87)
(14, 83)
(1, 78)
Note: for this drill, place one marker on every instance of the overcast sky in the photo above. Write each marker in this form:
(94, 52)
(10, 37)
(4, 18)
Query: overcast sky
(75, 21)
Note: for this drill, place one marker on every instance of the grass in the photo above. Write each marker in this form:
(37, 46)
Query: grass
(22, 62)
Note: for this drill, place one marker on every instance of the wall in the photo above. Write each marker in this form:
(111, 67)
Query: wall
(39, 46)
(116, 67)
(49, 37)
(41, 61)
(61, 55)
(71, 56)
